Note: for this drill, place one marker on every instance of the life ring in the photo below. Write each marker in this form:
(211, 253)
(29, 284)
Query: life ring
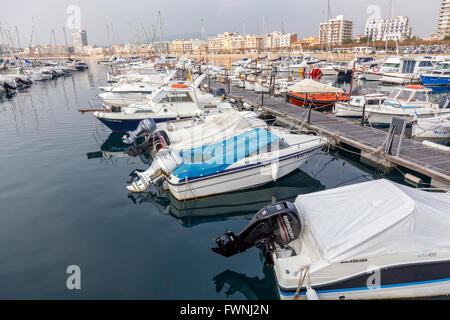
(179, 86)
(415, 86)
(376, 69)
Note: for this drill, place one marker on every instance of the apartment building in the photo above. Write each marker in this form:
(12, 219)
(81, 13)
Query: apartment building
(277, 40)
(444, 19)
(79, 39)
(396, 29)
(335, 31)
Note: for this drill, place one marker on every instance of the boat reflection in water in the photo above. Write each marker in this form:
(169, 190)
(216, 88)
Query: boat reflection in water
(252, 288)
(236, 205)
(113, 147)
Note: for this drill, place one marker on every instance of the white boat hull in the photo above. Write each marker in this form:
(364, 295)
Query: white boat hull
(347, 111)
(238, 179)
(440, 288)
(430, 130)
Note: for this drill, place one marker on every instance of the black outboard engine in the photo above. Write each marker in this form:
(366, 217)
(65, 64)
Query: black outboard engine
(276, 224)
(156, 142)
(145, 127)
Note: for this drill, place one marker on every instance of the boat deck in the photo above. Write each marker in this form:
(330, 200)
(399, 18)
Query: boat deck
(414, 155)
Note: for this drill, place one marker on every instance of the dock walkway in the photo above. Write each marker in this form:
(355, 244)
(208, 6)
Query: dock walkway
(414, 155)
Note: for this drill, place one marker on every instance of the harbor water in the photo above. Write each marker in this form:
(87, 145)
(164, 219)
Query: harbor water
(63, 202)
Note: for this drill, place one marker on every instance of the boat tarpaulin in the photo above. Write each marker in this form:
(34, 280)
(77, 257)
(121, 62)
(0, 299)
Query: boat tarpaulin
(375, 218)
(311, 86)
(215, 158)
(220, 127)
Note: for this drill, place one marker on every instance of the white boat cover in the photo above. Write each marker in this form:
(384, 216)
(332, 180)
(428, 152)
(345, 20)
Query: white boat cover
(312, 86)
(215, 128)
(375, 218)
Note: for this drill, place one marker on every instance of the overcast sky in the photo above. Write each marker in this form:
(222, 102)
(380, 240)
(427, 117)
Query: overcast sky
(183, 17)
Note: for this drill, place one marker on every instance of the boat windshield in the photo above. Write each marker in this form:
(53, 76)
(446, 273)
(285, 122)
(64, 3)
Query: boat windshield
(161, 97)
(394, 93)
(402, 95)
(443, 66)
(391, 65)
(420, 96)
(180, 97)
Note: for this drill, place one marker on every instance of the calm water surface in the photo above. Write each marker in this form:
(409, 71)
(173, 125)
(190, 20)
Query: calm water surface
(63, 202)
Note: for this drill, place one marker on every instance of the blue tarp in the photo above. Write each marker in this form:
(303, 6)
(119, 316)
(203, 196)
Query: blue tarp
(215, 158)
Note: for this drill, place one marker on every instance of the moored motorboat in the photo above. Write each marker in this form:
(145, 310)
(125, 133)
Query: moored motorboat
(354, 107)
(247, 160)
(434, 128)
(406, 103)
(440, 76)
(172, 102)
(316, 94)
(373, 240)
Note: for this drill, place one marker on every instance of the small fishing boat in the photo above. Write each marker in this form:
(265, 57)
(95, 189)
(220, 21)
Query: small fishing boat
(316, 94)
(247, 160)
(372, 240)
(440, 76)
(407, 102)
(354, 107)
(171, 102)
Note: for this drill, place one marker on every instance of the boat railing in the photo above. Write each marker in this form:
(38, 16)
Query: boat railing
(298, 144)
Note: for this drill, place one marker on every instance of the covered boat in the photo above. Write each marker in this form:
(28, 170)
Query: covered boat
(373, 240)
(316, 94)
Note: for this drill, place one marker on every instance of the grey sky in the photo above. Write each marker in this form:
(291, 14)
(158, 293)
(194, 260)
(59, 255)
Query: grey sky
(182, 17)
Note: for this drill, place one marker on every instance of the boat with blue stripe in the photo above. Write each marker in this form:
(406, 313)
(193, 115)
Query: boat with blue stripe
(372, 240)
(247, 160)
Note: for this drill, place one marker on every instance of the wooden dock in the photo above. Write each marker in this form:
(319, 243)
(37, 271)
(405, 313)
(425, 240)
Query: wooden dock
(414, 156)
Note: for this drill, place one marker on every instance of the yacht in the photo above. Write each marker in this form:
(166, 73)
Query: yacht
(372, 240)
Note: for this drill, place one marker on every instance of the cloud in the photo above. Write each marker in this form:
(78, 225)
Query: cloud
(182, 17)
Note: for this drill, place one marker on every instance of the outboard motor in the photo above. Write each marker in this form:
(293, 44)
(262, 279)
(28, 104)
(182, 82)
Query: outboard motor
(155, 142)
(274, 225)
(146, 126)
(163, 164)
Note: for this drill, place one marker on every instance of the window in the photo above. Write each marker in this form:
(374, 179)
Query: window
(425, 64)
(420, 96)
(404, 95)
(181, 97)
(408, 66)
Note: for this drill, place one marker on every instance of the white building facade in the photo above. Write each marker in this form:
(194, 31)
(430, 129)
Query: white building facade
(444, 19)
(335, 31)
(396, 29)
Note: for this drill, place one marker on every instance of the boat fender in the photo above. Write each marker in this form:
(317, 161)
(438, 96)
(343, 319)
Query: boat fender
(311, 294)
(411, 178)
(275, 170)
